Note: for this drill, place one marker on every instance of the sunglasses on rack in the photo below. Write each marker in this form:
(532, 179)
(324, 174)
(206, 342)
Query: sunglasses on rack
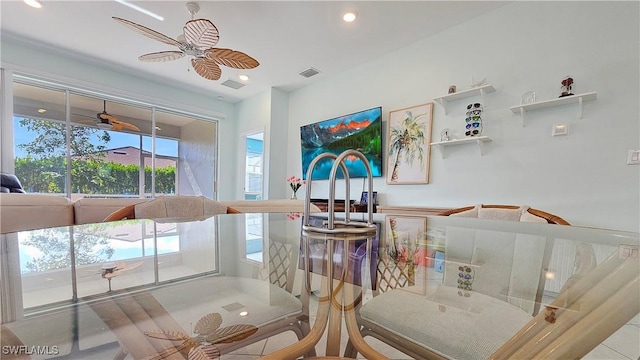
(475, 106)
(472, 132)
(475, 125)
(474, 112)
(472, 118)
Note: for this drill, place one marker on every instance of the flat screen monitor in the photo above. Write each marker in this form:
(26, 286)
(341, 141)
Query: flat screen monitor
(361, 131)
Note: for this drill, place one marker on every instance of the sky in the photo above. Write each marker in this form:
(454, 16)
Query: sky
(118, 139)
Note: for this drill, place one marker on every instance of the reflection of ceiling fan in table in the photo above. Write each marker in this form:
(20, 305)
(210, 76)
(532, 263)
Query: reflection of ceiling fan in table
(111, 270)
(200, 37)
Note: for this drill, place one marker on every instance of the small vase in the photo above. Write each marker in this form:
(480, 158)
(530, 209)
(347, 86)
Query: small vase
(294, 196)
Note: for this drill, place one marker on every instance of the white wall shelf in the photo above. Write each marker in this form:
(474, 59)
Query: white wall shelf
(480, 140)
(573, 99)
(480, 90)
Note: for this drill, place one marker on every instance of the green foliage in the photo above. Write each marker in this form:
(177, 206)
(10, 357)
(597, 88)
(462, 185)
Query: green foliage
(52, 139)
(91, 176)
(45, 167)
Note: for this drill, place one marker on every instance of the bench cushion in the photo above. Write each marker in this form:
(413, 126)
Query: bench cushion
(451, 325)
(88, 210)
(33, 211)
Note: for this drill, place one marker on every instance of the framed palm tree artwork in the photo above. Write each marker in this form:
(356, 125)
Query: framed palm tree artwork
(408, 145)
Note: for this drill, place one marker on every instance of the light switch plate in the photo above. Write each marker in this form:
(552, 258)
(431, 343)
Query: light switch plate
(633, 157)
(560, 129)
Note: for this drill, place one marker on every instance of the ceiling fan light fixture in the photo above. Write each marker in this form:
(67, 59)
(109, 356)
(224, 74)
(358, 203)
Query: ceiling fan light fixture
(33, 3)
(350, 16)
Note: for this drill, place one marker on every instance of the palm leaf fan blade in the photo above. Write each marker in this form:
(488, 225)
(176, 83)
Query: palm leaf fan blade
(231, 58)
(208, 324)
(161, 56)
(232, 333)
(171, 335)
(201, 33)
(204, 352)
(148, 32)
(206, 68)
(120, 125)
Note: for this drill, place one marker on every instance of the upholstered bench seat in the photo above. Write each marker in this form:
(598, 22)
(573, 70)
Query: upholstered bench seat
(483, 323)
(33, 211)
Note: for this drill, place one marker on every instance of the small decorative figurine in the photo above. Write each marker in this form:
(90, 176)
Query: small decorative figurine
(445, 135)
(567, 87)
(452, 89)
(528, 98)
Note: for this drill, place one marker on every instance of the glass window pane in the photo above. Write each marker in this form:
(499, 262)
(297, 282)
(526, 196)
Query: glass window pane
(111, 146)
(186, 149)
(39, 133)
(105, 144)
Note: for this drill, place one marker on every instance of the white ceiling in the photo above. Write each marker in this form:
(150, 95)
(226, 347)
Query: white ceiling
(286, 37)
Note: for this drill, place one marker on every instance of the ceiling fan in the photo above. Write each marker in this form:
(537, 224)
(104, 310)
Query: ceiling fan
(200, 37)
(111, 270)
(110, 122)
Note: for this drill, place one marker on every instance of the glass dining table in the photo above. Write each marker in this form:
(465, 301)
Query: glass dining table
(202, 288)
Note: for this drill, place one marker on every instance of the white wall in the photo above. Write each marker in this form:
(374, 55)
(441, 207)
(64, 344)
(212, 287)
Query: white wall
(266, 112)
(252, 115)
(522, 46)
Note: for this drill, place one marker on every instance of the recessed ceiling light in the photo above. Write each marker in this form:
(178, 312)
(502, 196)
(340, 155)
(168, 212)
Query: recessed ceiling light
(33, 3)
(349, 16)
(243, 77)
(42, 111)
(219, 97)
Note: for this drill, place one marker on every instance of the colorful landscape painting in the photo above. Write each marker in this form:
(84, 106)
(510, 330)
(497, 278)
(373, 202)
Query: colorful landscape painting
(361, 131)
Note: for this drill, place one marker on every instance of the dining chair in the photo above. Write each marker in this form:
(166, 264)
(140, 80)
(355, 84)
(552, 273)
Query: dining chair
(173, 207)
(9, 341)
(280, 271)
(504, 290)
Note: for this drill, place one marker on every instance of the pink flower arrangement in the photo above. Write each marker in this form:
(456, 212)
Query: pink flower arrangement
(295, 183)
(293, 215)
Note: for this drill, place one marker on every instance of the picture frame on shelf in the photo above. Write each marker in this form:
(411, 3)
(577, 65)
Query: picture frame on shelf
(364, 198)
(408, 144)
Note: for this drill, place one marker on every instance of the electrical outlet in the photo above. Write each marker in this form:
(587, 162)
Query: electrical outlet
(629, 252)
(633, 157)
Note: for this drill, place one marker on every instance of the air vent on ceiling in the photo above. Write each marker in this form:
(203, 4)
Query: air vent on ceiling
(310, 72)
(233, 84)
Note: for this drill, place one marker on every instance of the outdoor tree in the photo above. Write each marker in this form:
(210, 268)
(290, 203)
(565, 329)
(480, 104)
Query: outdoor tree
(54, 250)
(51, 139)
(44, 167)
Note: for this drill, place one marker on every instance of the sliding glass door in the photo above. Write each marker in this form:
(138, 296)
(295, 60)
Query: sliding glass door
(79, 145)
